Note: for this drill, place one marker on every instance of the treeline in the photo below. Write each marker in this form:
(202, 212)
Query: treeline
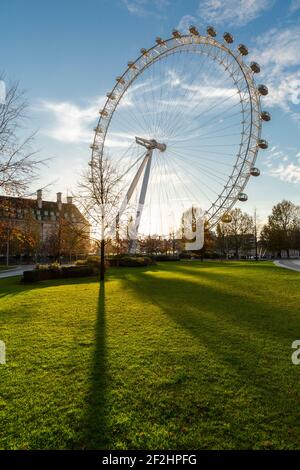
(245, 236)
(238, 235)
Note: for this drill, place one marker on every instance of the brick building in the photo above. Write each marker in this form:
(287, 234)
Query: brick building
(40, 229)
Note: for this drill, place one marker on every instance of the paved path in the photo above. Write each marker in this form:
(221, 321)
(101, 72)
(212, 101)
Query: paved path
(18, 271)
(293, 264)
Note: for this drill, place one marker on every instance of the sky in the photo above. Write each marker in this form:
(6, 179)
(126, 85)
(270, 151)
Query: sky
(66, 55)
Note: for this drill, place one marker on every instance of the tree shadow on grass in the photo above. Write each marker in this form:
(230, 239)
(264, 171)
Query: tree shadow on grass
(93, 427)
(14, 285)
(214, 318)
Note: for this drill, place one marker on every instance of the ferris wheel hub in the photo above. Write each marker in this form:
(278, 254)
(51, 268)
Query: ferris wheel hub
(151, 144)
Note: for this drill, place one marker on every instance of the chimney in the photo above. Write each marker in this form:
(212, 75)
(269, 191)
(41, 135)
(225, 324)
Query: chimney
(69, 200)
(58, 199)
(39, 197)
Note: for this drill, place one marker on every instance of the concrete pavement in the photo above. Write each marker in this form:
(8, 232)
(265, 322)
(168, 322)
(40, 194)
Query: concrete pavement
(17, 271)
(293, 264)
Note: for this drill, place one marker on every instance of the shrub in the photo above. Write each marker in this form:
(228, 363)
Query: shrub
(185, 255)
(92, 262)
(50, 273)
(74, 271)
(166, 258)
(131, 261)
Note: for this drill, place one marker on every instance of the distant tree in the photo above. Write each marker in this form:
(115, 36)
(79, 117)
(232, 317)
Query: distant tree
(152, 245)
(18, 164)
(236, 235)
(209, 241)
(69, 237)
(281, 232)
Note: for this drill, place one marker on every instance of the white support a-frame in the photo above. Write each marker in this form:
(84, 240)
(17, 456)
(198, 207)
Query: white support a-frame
(145, 167)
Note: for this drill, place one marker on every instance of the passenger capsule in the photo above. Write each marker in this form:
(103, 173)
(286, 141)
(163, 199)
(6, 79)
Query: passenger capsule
(243, 50)
(263, 144)
(211, 31)
(98, 130)
(111, 96)
(120, 80)
(193, 30)
(144, 51)
(131, 65)
(94, 147)
(263, 90)
(255, 67)
(254, 171)
(265, 116)
(226, 219)
(103, 113)
(160, 41)
(242, 197)
(176, 34)
(228, 38)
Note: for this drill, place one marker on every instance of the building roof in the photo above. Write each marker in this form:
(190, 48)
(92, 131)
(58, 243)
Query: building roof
(54, 208)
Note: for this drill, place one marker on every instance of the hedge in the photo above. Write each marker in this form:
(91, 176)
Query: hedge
(131, 261)
(166, 258)
(64, 272)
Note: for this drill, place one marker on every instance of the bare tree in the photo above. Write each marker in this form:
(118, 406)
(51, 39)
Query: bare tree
(18, 163)
(99, 198)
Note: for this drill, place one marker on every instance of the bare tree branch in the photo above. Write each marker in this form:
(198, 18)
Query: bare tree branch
(18, 162)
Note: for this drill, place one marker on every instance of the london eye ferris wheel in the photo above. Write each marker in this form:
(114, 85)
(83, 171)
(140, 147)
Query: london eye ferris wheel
(182, 125)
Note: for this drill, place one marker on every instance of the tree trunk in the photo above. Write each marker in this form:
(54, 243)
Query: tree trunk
(7, 247)
(7, 252)
(102, 260)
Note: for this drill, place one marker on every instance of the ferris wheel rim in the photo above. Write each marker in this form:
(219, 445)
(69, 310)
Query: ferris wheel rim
(229, 196)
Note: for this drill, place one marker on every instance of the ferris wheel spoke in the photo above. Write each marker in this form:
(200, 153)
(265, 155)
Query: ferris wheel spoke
(199, 158)
(209, 171)
(212, 106)
(170, 110)
(191, 97)
(200, 184)
(212, 119)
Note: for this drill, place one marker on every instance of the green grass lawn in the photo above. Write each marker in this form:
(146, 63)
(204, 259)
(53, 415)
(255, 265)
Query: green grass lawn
(185, 355)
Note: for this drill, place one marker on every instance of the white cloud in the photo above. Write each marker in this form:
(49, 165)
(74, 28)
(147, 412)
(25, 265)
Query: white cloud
(283, 166)
(69, 122)
(289, 173)
(185, 22)
(295, 5)
(280, 48)
(285, 91)
(145, 7)
(232, 12)
(278, 52)
(229, 12)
